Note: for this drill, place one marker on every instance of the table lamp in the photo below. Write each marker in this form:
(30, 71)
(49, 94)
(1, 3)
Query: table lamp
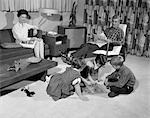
(49, 14)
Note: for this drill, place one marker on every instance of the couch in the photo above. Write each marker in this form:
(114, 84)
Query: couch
(9, 55)
(53, 46)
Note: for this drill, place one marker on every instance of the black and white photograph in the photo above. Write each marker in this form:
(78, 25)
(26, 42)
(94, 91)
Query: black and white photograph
(74, 58)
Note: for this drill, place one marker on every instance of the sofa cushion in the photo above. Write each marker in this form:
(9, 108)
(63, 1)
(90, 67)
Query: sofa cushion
(6, 36)
(13, 52)
(10, 45)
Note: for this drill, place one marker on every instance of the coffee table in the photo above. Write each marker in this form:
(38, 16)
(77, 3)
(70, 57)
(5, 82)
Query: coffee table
(11, 77)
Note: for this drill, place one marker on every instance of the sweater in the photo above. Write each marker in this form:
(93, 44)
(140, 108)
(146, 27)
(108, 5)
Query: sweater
(126, 77)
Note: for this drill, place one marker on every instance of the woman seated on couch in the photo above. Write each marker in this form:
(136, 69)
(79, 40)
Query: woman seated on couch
(20, 32)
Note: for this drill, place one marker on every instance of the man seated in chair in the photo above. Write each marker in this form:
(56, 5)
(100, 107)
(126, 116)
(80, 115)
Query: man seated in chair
(114, 35)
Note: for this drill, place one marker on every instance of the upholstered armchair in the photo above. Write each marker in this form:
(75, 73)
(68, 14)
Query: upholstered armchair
(116, 49)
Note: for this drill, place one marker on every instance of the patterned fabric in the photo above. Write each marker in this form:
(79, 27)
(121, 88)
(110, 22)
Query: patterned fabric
(134, 13)
(115, 34)
(20, 32)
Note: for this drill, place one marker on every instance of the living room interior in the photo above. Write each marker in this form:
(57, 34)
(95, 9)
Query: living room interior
(59, 36)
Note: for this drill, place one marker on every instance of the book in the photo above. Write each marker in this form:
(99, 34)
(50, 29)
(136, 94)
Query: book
(115, 51)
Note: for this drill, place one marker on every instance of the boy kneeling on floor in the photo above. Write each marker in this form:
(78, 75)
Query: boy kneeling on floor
(122, 80)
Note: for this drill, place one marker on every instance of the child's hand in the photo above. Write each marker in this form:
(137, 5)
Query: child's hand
(88, 83)
(106, 82)
(93, 82)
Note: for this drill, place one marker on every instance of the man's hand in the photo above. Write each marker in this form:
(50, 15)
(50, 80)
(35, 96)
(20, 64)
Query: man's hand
(109, 41)
(101, 37)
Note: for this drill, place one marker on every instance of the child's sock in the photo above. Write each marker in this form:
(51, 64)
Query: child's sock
(47, 78)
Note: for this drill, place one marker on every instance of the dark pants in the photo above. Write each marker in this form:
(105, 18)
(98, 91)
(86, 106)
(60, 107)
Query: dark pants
(124, 90)
(84, 49)
(89, 48)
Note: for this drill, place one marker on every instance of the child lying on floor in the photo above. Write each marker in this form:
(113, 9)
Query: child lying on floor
(122, 80)
(74, 78)
(64, 84)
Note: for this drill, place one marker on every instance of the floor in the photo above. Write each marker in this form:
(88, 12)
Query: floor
(136, 105)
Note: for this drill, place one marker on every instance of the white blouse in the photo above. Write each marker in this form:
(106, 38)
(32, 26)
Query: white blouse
(20, 32)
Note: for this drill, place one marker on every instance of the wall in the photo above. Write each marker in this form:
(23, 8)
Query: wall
(8, 19)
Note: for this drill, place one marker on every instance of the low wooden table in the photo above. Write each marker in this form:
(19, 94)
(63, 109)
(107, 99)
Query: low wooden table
(12, 77)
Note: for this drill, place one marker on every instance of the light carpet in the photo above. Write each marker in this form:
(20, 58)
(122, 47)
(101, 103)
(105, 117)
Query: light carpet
(135, 105)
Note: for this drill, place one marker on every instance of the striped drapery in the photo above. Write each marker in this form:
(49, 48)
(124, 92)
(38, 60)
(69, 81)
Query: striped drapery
(134, 13)
(35, 5)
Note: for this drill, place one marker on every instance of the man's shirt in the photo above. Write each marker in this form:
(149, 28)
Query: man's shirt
(114, 34)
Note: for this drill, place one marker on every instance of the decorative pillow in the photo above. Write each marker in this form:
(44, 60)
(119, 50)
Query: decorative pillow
(10, 45)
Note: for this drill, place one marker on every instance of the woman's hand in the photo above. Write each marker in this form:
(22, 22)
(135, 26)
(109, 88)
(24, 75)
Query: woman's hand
(39, 39)
(35, 31)
(36, 39)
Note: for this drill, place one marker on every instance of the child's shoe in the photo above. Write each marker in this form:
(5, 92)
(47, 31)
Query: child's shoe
(28, 93)
(112, 94)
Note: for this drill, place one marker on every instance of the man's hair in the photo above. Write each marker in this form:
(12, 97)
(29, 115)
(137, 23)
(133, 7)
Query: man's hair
(116, 17)
(117, 61)
(23, 11)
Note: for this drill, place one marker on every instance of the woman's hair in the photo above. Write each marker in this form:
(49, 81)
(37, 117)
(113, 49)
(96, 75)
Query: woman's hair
(117, 61)
(77, 63)
(101, 59)
(23, 11)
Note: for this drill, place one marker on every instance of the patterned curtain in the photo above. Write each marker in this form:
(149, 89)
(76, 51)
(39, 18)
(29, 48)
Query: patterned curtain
(35, 5)
(135, 13)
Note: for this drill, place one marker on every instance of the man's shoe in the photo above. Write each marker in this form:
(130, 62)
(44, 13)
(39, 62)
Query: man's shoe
(112, 94)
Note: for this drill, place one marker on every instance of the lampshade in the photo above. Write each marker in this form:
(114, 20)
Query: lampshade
(49, 14)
